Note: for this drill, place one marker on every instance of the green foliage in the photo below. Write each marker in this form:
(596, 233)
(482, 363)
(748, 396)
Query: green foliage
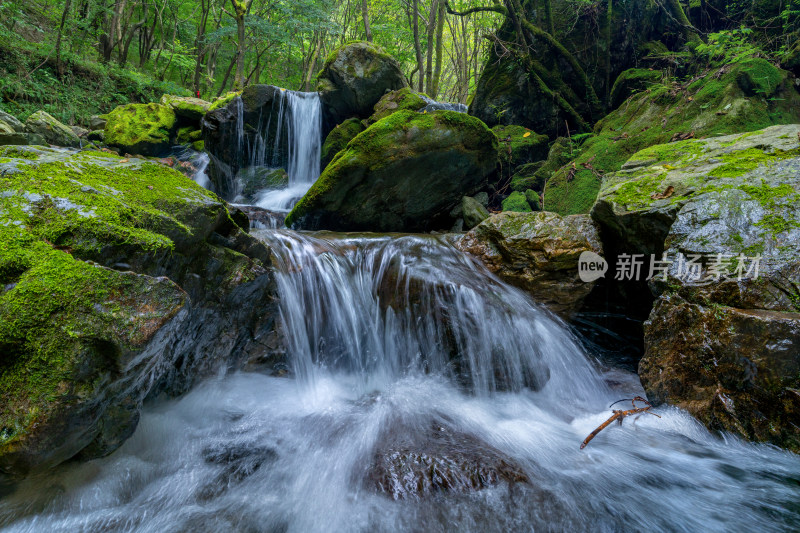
(728, 46)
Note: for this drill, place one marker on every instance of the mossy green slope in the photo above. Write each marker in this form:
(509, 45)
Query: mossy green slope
(71, 329)
(742, 97)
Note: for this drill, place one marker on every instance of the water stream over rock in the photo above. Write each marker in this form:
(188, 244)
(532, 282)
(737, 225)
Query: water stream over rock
(423, 395)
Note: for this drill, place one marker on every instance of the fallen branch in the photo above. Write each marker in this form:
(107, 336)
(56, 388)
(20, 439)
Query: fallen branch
(619, 415)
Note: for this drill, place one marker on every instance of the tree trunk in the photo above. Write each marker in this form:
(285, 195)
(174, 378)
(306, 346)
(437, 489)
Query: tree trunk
(59, 65)
(431, 30)
(418, 46)
(365, 15)
(437, 74)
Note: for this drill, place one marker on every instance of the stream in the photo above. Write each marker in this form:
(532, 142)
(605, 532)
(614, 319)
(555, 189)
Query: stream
(424, 395)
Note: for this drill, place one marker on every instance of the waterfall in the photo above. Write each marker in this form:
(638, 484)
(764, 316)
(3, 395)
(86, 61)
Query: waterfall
(412, 367)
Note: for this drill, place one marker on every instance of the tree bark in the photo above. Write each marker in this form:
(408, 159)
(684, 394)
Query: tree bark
(418, 46)
(65, 14)
(437, 74)
(365, 15)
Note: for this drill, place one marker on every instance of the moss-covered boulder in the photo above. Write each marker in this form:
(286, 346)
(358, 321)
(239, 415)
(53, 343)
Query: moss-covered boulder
(405, 99)
(473, 212)
(145, 129)
(338, 138)
(119, 278)
(519, 145)
(533, 176)
(354, 78)
(632, 81)
(537, 252)
(745, 96)
(255, 179)
(722, 338)
(187, 107)
(404, 173)
(53, 131)
(11, 122)
(516, 202)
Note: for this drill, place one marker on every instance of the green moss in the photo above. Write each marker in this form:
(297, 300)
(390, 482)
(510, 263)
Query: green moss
(714, 105)
(520, 145)
(338, 138)
(142, 128)
(381, 145)
(517, 202)
(224, 100)
(199, 145)
(183, 134)
(405, 99)
(740, 162)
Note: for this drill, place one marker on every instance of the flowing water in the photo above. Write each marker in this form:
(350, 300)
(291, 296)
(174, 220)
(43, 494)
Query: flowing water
(299, 126)
(405, 352)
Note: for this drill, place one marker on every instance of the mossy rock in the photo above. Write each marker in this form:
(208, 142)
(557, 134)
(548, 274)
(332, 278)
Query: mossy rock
(537, 252)
(21, 139)
(746, 96)
(354, 78)
(188, 107)
(145, 129)
(199, 145)
(255, 179)
(338, 138)
(533, 200)
(12, 122)
(633, 81)
(405, 99)
(721, 339)
(224, 100)
(535, 175)
(98, 264)
(53, 131)
(403, 173)
(519, 145)
(517, 202)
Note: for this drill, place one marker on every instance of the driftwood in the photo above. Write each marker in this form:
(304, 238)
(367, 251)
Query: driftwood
(619, 415)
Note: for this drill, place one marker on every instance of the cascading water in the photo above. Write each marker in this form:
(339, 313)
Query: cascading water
(299, 126)
(406, 354)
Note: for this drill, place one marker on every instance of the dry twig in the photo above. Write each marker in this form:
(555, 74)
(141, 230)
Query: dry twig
(619, 415)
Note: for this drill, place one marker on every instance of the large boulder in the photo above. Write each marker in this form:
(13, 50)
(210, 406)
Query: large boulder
(119, 279)
(145, 129)
(14, 139)
(745, 96)
(53, 131)
(354, 78)
(539, 253)
(402, 99)
(404, 173)
(722, 338)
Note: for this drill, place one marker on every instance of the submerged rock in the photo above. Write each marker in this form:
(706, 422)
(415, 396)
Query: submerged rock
(145, 129)
(409, 465)
(537, 252)
(722, 338)
(53, 131)
(353, 79)
(119, 278)
(404, 173)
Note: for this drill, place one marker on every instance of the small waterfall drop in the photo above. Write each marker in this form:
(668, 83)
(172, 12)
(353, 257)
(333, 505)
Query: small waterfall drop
(405, 353)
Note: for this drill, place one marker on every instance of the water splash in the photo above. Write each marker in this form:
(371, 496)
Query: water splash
(391, 337)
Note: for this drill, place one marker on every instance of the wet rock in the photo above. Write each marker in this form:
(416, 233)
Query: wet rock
(537, 252)
(260, 108)
(255, 179)
(145, 129)
(122, 279)
(354, 78)
(337, 139)
(472, 212)
(411, 465)
(238, 462)
(53, 131)
(719, 342)
(404, 173)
